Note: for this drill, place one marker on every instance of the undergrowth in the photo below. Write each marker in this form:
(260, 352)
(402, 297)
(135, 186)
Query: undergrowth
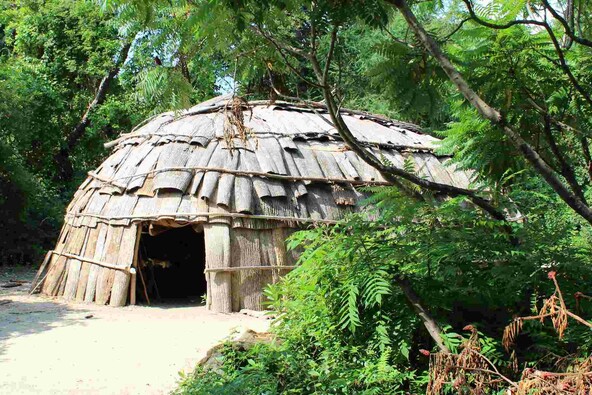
(345, 326)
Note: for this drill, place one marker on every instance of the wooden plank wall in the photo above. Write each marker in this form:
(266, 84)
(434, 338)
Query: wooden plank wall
(226, 247)
(127, 253)
(84, 281)
(261, 247)
(218, 256)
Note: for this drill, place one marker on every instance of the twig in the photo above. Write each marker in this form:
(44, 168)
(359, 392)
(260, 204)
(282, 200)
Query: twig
(578, 318)
(568, 30)
(280, 47)
(512, 383)
(460, 25)
(562, 62)
(565, 169)
(495, 368)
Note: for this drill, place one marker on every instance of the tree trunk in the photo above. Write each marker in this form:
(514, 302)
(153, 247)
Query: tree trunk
(62, 158)
(570, 18)
(428, 321)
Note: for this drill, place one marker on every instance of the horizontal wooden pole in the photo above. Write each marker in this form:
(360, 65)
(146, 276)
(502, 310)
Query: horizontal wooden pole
(185, 217)
(83, 259)
(273, 176)
(396, 147)
(240, 268)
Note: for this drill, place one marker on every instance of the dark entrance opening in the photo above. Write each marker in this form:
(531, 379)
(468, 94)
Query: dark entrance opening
(172, 264)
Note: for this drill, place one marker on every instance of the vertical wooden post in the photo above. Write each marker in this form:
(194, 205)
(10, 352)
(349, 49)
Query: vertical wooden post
(119, 280)
(208, 290)
(279, 248)
(217, 242)
(143, 284)
(93, 274)
(38, 277)
(74, 266)
(132, 296)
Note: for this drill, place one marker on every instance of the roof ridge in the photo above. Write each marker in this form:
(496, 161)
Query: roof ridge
(308, 105)
(214, 105)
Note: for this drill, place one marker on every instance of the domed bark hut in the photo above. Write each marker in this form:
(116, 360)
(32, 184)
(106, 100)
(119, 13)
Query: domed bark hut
(242, 176)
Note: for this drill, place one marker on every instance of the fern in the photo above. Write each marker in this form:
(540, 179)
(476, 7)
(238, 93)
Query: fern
(165, 89)
(375, 287)
(349, 314)
(409, 164)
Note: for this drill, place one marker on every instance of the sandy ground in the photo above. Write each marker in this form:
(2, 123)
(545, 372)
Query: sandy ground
(48, 347)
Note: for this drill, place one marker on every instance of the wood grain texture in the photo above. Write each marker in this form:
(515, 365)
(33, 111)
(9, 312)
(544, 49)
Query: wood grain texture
(89, 252)
(127, 253)
(176, 155)
(94, 270)
(280, 253)
(106, 275)
(74, 266)
(246, 251)
(48, 283)
(217, 242)
(57, 276)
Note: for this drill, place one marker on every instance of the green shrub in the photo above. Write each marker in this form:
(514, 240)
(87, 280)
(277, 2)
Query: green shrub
(346, 328)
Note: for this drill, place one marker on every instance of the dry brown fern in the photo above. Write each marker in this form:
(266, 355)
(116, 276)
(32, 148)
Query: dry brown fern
(234, 123)
(470, 372)
(554, 308)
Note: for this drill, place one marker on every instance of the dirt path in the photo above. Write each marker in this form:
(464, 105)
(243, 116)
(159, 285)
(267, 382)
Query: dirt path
(48, 347)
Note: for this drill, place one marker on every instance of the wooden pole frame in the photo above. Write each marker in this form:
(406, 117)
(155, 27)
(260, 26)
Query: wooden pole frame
(180, 217)
(273, 176)
(124, 268)
(133, 285)
(240, 268)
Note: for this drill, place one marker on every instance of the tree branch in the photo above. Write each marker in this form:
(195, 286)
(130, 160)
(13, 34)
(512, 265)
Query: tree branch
(313, 106)
(557, 123)
(398, 40)
(566, 25)
(65, 170)
(330, 54)
(460, 25)
(428, 321)
(493, 115)
(562, 62)
(390, 173)
(500, 26)
(587, 156)
(280, 47)
(563, 126)
(565, 169)
(99, 98)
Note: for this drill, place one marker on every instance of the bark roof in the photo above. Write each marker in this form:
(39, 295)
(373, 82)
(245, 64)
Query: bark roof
(288, 164)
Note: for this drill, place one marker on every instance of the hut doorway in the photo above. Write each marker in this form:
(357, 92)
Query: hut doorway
(172, 265)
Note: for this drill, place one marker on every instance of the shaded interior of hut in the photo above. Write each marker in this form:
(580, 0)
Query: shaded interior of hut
(171, 266)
